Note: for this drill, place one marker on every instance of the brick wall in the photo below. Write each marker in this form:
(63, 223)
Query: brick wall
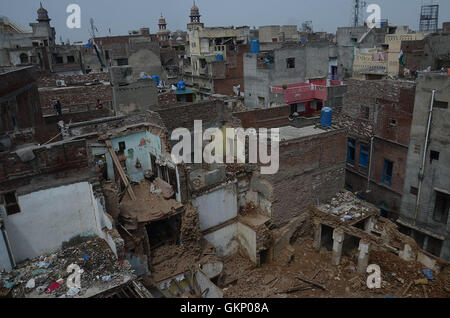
(234, 73)
(390, 107)
(210, 112)
(71, 97)
(53, 159)
(19, 100)
(267, 117)
(167, 98)
(49, 80)
(312, 170)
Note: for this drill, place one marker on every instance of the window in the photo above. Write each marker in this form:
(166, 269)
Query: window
(413, 190)
(121, 62)
(59, 60)
(23, 58)
(440, 104)
(70, 59)
(441, 207)
(107, 54)
(301, 107)
(393, 122)
(261, 101)
(363, 158)
(35, 44)
(11, 204)
(434, 155)
(45, 43)
(290, 62)
(387, 172)
(122, 146)
(351, 151)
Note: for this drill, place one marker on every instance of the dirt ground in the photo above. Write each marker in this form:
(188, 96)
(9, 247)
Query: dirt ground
(244, 279)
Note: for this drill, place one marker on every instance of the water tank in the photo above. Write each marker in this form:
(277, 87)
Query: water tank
(156, 78)
(254, 46)
(219, 57)
(181, 86)
(326, 117)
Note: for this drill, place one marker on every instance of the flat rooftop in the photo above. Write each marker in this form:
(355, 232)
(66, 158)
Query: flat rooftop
(291, 133)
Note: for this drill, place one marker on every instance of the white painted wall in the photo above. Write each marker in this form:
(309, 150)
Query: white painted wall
(224, 240)
(217, 206)
(52, 216)
(247, 239)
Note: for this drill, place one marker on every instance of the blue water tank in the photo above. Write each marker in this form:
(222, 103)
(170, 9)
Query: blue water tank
(254, 46)
(219, 57)
(181, 86)
(156, 78)
(326, 117)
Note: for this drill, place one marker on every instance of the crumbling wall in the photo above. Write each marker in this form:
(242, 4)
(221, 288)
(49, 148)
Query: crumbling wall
(312, 170)
(216, 206)
(50, 217)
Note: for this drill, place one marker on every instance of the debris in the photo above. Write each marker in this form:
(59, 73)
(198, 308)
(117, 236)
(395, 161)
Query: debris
(422, 281)
(428, 273)
(31, 284)
(52, 287)
(311, 282)
(106, 278)
(407, 288)
(73, 291)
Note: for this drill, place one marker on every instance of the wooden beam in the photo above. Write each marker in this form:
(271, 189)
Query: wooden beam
(122, 174)
(311, 282)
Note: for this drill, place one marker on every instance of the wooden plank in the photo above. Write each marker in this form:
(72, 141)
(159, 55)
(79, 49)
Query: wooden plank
(122, 174)
(311, 282)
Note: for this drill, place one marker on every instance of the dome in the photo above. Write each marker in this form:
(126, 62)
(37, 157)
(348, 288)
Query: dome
(42, 14)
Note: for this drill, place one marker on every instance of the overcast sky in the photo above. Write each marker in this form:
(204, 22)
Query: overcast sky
(123, 15)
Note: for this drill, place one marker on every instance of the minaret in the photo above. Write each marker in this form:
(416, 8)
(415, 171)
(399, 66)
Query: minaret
(163, 33)
(42, 15)
(195, 18)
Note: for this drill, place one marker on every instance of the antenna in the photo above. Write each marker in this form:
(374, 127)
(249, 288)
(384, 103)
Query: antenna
(358, 12)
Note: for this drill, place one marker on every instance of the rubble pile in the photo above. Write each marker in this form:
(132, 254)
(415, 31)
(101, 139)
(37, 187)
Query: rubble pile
(279, 279)
(346, 206)
(47, 275)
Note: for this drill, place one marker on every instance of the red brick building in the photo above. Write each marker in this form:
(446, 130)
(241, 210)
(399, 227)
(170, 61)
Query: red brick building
(378, 117)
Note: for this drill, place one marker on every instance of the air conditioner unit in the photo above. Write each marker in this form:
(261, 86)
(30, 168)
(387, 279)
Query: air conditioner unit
(61, 83)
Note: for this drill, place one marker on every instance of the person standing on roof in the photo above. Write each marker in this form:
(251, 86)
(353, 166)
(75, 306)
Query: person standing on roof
(58, 108)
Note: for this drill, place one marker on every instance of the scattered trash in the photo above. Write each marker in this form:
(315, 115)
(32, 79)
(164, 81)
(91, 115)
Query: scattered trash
(8, 284)
(31, 283)
(73, 291)
(422, 281)
(52, 287)
(86, 257)
(428, 273)
(41, 289)
(106, 278)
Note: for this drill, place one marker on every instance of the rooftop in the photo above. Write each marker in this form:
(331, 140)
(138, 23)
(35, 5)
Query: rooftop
(291, 133)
